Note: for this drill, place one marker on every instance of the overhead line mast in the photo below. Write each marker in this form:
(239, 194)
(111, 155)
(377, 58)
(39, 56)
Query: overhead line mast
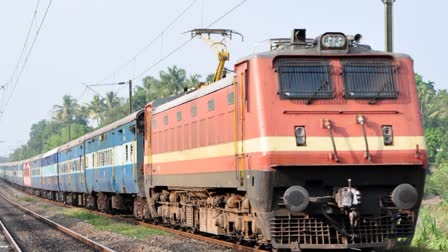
(388, 24)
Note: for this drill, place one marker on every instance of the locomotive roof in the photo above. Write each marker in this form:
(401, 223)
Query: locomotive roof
(181, 99)
(293, 50)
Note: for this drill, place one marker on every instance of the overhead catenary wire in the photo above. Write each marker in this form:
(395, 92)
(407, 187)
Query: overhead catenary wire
(162, 58)
(26, 41)
(186, 42)
(151, 42)
(14, 85)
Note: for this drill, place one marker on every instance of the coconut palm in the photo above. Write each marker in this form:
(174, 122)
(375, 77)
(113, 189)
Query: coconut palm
(96, 108)
(66, 112)
(111, 100)
(433, 103)
(174, 79)
(193, 80)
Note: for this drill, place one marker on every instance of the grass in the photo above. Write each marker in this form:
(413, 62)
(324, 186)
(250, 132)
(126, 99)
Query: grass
(102, 223)
(432, 229)
(29, 199)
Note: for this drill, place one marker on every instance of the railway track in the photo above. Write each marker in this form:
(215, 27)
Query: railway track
(219, 242)
(7, 242)
(29, 231)
(130, 220)
(133, 221)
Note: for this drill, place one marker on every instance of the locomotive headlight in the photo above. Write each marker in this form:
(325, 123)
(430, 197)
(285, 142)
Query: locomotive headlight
(296, 198)
(405, 196)
(333, 41)
(388, 134)
(300, 135)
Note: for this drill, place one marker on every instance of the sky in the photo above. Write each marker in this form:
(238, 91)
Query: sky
(88, 42)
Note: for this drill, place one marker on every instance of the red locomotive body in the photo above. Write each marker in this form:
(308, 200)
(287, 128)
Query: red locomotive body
(315, 144)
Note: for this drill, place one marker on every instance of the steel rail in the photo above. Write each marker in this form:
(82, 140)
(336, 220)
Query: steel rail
(61, 228)
(9, 237)
(223, 243)
(211, 240)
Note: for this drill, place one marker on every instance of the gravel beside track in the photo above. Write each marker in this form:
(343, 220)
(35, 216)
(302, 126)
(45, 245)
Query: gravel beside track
(33, 235)
(118, 242)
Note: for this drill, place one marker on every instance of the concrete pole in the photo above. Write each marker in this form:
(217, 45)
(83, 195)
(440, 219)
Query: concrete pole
(388, 24)
(130, 96)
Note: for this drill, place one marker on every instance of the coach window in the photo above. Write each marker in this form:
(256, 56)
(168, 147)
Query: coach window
(132, 152)
(211, 104)
(127, 155)
(179, 116)
(165, 120)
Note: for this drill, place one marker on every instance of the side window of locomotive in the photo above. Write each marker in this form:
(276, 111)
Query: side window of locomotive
(230, 98)
(194, 110)
(154, 124)
(211, 105)
(369, 79)
(306, 80)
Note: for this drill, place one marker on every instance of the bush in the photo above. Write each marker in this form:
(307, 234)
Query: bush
(432, 234)
(436, 182)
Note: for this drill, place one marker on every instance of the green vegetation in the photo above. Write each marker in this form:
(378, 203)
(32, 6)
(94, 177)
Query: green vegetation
(29, 199)
(72, 120)
(432, 230)
(102, 223)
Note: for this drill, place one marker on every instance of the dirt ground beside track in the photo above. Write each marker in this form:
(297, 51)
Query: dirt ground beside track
(118, 242)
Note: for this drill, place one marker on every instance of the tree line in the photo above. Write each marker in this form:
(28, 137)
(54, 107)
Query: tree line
(434, 108)
(70, 119)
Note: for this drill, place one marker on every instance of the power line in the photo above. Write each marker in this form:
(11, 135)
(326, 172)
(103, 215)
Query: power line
(160, 35)
(27, 57)
(227, 13)
(186, 42)
(26, 40)
(20, 55)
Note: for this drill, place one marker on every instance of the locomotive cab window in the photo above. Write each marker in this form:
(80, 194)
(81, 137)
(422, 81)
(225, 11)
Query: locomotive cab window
(305, 80)
(369, 79)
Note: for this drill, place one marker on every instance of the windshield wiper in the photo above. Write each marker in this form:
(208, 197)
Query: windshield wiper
(377, 95)
(324, 84)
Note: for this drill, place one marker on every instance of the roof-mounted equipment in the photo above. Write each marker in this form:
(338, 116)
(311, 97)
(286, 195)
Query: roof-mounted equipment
(219, 46)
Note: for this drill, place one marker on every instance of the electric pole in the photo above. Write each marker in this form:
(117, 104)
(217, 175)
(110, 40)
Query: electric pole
(130, 96)
(388, 23)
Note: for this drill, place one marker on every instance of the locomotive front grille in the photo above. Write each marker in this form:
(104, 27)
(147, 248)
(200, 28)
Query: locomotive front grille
(309, 231)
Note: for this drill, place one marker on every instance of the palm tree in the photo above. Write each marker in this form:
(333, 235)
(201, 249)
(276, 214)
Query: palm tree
(174, 79)
(96, 108)
(111, 100)
(193, 80)
(66, 112)
(433, 103)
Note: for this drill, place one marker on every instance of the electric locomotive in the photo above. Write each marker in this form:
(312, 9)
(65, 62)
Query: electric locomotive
(314, 144)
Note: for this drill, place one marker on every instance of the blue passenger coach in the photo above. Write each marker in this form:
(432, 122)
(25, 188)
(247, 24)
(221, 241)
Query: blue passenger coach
(114, 161)
(103, 169)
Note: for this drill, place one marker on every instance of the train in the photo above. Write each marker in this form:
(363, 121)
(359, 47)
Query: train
(316, 143)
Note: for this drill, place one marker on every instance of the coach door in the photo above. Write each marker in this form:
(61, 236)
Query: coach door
(147, 163)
